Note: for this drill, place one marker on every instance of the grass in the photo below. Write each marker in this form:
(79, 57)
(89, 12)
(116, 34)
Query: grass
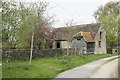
(119, 68)
(113, 59)
(47, 67)
(0, 71)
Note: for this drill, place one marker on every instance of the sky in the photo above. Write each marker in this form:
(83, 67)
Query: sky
(80, 11)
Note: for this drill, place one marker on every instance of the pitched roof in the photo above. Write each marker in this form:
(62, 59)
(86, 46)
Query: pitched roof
(63, 32)
(86, 35)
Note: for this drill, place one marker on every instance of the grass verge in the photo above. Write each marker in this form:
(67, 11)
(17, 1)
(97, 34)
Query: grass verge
(47, 67)
(119, 68)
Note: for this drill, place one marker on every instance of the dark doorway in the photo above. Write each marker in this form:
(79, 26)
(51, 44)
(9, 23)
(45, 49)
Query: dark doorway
(58, 44)
(51, 46)
(100, 35)
(90, 47)
(99, 43)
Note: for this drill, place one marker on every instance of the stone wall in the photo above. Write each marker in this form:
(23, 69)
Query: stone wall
(102, 49)
(23, 54)
(64, 44)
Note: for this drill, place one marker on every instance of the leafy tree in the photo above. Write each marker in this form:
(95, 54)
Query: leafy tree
(43, 25)
(107, 16)
(18, 21)
(9, 22)
(24, 24)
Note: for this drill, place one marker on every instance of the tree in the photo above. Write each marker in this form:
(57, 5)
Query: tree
(107, 16)
(71, 30)
(43, 25)
(24, 24)
(15, 24)
(18, 21)
(10, 20)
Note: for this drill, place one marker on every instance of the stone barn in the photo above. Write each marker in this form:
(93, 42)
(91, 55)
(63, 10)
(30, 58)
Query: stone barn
(88, 38)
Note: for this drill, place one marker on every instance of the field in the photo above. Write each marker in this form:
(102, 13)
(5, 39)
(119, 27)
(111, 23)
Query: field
(47, 67)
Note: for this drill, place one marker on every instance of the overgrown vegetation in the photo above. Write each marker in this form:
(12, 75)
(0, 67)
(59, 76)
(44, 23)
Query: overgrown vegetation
(46, 67)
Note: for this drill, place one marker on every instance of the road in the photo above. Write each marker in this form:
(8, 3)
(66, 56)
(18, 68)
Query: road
(108, 70)
(88, 70)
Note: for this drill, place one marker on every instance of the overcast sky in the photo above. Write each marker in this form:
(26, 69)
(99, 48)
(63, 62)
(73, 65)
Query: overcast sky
(81, 11)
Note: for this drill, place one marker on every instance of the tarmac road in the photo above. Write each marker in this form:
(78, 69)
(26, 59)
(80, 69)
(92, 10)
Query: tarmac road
(89, 70)
(108, 70)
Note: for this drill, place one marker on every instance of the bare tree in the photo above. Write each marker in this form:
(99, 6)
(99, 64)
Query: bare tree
(71, 32)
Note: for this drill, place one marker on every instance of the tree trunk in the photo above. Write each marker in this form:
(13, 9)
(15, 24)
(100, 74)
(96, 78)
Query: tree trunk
(31, 47)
